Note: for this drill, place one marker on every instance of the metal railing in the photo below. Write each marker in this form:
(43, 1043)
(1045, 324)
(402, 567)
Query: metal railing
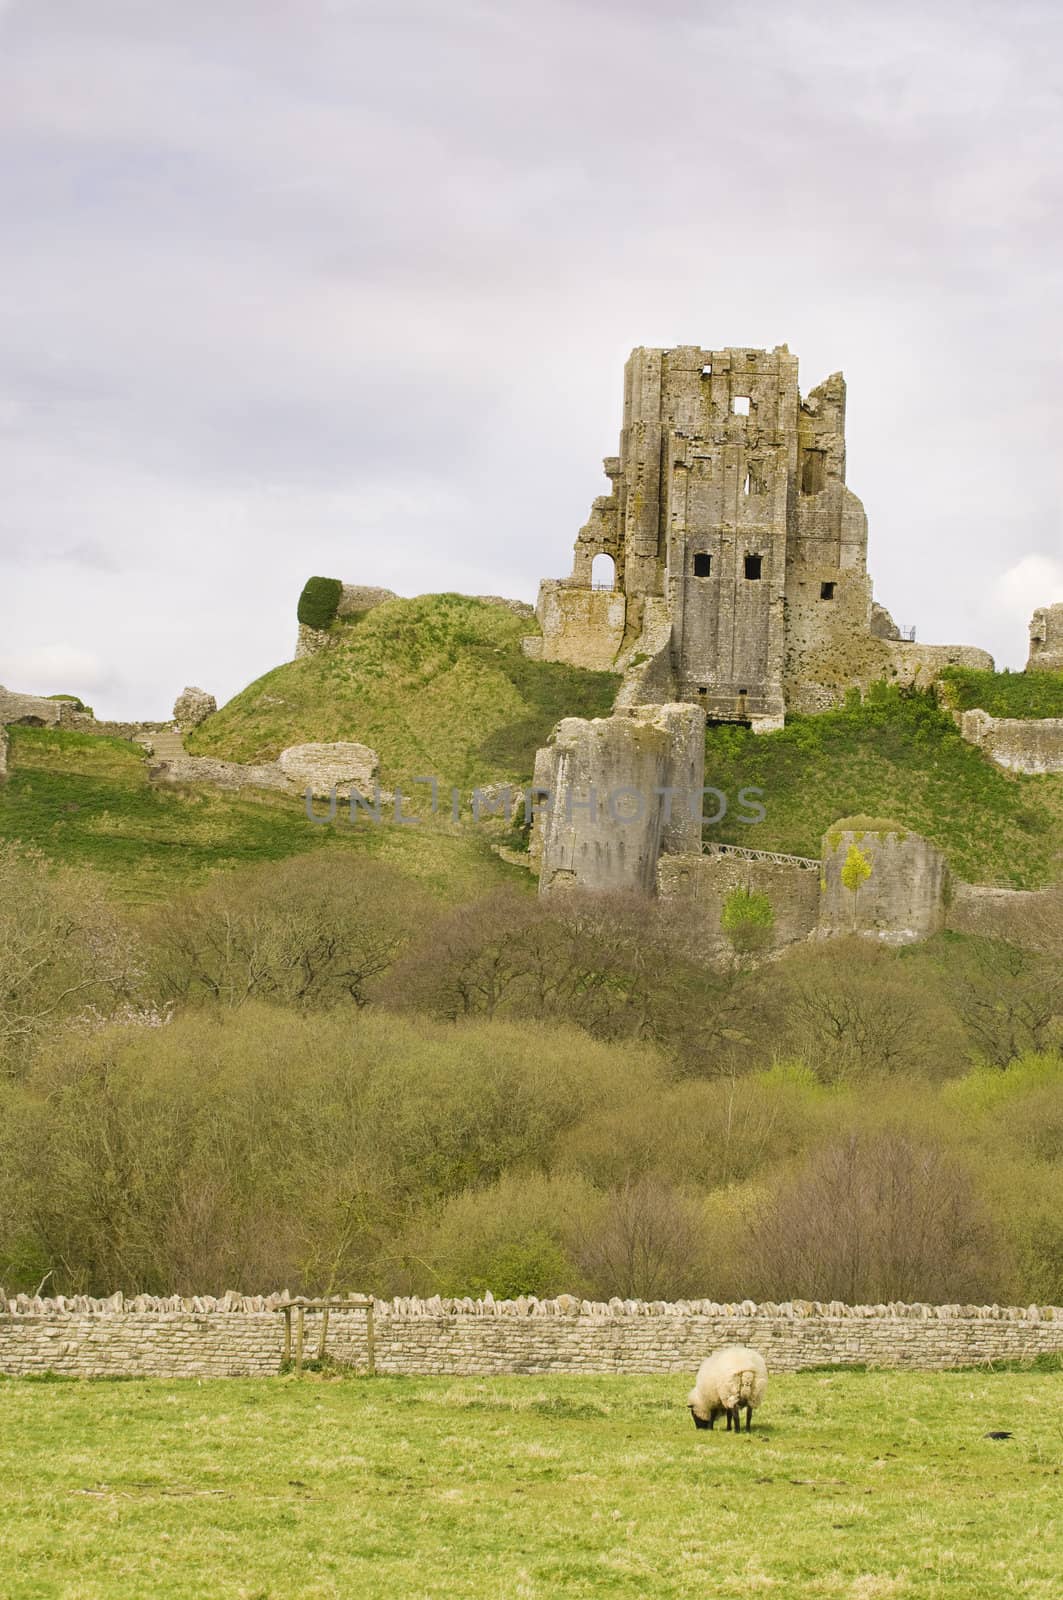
(711, 848)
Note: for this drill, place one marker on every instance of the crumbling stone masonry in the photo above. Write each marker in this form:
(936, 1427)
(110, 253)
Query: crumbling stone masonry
(1019, 744)
(1046, 640)
(317, 768)
(881, 879)
(619, 792)
(873, 878)
(740, 556)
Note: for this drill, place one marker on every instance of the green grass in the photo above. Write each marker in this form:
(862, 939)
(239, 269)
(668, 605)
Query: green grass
(86, 801)
(436, 685)
(897, 755)
(854, 1485)
(1003, 694)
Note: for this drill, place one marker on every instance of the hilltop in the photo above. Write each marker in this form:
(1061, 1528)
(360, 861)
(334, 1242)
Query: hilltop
(437, 685)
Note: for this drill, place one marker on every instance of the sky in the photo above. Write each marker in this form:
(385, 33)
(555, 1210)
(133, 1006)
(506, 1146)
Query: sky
(325, 286)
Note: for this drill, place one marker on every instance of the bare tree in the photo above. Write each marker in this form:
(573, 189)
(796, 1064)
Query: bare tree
(872, 1219)
(312, 931)
(1010, 999)
(64, 952)
(648, 1244)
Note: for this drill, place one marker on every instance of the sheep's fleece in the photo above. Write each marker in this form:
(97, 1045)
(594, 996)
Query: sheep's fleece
(729, 1379)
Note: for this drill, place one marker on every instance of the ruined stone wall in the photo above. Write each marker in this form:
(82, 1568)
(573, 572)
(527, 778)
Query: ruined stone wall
(823, 662)
(317, 767)
(707, 880)
(580, 625)
(1032, 745)
(20, 707)
(81, 722)
(1026, 917)
(607, 818)
(1046, 640)
(15, 708)
(238, 1336)
(906, 890)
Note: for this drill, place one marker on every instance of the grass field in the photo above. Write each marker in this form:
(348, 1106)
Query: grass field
(858, 1485)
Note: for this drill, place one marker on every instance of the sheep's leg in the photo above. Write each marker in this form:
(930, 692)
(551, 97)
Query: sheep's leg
(749, 1418)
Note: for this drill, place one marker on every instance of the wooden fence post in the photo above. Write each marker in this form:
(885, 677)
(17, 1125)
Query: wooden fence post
(370, 1338)
(299, 1340)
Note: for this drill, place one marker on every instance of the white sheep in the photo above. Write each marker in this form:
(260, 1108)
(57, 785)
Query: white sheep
(728, 1380)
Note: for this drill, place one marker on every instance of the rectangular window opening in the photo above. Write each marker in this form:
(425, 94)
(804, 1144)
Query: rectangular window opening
(702, 565)
(753, 566)
(814, 472)
(826, 591)
(706, 371)
(740, 405)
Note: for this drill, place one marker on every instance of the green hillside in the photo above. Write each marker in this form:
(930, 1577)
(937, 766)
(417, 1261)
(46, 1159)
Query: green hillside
(86, 801)
(1003, 694)
(437, 685)
(894, 755)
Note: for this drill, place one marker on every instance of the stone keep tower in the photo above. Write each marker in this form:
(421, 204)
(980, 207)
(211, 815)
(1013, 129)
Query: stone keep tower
(740, 556)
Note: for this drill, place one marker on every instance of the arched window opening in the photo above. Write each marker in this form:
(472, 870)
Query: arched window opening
(603, 572)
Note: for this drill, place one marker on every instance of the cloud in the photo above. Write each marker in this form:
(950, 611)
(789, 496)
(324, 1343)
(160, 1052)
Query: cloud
(1035, 580)
(52, 669)
(299, 285)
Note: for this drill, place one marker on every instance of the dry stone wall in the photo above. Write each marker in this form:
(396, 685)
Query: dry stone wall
(244, 1335)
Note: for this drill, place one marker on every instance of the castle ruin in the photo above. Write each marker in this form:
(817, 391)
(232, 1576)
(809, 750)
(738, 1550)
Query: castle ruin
(739, 555)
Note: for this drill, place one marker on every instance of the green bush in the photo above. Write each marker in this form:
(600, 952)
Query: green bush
(747, 918)
(319, 602)
(75, 701)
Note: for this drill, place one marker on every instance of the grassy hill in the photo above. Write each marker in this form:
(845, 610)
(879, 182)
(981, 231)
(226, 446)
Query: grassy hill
(437, 685)
(87, 801)
(894, 755)
(1003, 694)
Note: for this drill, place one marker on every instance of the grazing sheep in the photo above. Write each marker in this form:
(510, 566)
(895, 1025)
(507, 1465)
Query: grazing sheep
(728, 1380)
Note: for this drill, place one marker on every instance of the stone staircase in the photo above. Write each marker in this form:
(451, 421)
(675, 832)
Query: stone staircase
(164, 746)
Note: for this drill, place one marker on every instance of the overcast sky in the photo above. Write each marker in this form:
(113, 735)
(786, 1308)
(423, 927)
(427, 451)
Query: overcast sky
(298, 286)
